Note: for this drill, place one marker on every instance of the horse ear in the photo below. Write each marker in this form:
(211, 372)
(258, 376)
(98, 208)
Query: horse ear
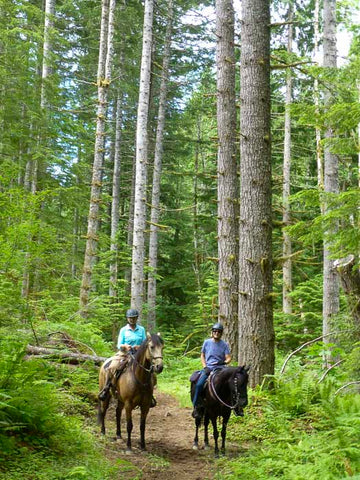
(247, 368)
(148, 335)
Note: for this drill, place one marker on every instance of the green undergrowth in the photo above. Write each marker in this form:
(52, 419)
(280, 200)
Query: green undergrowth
(47, 420)
(300, 430)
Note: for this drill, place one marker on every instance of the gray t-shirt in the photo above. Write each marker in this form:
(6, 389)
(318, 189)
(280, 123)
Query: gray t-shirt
(215, 352)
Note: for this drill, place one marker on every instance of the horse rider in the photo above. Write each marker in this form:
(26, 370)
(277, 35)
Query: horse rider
(130, 338)
(215, 354)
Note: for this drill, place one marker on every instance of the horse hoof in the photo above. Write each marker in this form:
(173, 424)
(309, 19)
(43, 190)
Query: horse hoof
(195, 447)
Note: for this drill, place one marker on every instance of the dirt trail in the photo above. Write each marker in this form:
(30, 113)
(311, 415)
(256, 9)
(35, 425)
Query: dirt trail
(169, 438)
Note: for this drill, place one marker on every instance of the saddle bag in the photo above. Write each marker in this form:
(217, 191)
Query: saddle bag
(195, 376)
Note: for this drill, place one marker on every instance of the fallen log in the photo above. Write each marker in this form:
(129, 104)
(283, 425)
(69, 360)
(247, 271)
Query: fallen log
(68, 357)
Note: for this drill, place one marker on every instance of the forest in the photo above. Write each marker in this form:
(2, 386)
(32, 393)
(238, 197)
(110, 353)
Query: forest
(198, 162)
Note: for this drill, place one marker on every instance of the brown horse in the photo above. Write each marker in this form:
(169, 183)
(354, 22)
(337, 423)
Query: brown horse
(134, 387)
(225, 391)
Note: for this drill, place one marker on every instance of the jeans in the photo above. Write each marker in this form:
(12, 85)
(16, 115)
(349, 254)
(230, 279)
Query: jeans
(199, 386)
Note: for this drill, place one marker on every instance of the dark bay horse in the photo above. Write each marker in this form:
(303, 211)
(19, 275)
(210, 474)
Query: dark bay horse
(225, 390)
(134, 387)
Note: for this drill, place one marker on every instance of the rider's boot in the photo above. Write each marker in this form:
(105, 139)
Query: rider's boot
(105, 391)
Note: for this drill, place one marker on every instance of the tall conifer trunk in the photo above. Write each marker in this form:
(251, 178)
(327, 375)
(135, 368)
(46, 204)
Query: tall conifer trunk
(287, 248)
(228, 190)
(256, 331)
(331, 180)
(155, 198)
(115, 200)
(138, 251)
(103, 83)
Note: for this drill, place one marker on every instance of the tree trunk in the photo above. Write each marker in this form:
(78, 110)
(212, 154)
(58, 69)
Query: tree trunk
(68, 357)
(228, 189)
(256, 331)
(331, 181)
(103, 83)
(115, 201)
(319, 162)
(287, 247)
(155, 199)
(350, 281)
(138, 251)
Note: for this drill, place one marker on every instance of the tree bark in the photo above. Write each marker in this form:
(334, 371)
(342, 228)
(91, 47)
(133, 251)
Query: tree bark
(69, 357)
(256, 331)
(227, 187)
(287, 247)
(138, 250)
(115, 201)
(349, 274)
(155, 198)
(331, 301)
(103, 83)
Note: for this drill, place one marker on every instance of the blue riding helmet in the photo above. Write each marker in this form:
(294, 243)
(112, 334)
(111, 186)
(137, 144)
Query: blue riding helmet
(132, 312)
(217, 326)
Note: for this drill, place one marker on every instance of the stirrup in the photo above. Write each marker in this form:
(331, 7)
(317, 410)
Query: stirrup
(153, 402)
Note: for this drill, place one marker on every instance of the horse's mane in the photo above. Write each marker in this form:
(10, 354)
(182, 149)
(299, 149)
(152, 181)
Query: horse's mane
(229, 372)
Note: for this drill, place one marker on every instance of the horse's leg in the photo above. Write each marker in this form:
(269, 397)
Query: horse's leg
(102, 408)
(129, 425)
(223, 431)
(216, 434)
(119, 408)
(206, 431)
(144, 413)
(196, 438)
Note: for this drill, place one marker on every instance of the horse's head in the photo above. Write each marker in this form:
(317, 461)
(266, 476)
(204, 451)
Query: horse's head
(155, 345)
(239, 389)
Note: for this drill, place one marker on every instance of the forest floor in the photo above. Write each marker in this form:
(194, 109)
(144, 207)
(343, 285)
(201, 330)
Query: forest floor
(169, 437)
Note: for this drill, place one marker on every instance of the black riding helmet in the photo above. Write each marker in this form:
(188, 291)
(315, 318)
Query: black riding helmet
(217, 326)
(132, 313)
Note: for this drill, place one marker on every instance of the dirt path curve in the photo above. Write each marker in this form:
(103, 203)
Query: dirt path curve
(169, 438)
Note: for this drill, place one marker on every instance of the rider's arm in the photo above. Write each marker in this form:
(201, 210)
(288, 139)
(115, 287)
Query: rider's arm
(203, 361)
(227, 359)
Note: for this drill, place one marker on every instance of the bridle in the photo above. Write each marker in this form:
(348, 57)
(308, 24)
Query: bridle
(235, 393)
(148, 370)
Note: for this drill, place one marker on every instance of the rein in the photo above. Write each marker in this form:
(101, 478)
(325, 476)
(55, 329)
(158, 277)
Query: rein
(148, 370)
(213, 391)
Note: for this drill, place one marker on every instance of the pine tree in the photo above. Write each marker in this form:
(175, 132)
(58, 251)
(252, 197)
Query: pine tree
(256, 333)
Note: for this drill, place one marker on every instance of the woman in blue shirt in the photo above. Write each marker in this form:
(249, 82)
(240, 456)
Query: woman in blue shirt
(130, 338)
(215, 353)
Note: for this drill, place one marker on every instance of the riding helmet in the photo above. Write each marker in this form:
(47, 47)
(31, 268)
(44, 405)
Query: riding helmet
(217, 326)
(132, 313)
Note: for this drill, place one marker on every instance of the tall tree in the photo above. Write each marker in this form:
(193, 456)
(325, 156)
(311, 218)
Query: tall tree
(228, 190)
(155, 197)
(256, 332)
(142, 140)
(115, 199)
(287, 248)
(103, 83)
(331, 176)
